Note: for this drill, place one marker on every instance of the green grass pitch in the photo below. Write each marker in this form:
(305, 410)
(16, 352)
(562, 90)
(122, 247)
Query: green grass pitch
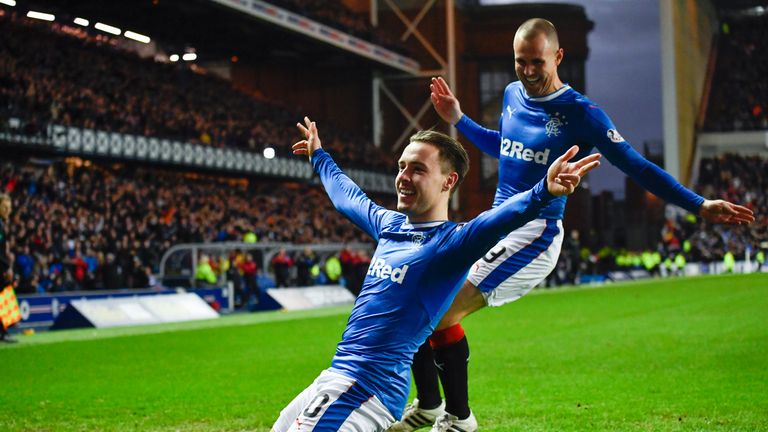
(665, 355)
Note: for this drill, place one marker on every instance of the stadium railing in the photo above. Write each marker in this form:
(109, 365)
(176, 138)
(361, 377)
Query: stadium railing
(179, 263)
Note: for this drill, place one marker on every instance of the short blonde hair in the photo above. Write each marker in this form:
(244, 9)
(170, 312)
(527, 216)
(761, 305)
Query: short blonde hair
(536, 26)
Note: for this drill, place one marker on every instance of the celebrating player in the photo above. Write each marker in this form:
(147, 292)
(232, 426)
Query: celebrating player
(419, 264)
(541, 119)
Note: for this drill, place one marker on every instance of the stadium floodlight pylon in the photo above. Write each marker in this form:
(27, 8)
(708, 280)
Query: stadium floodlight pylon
(445, 66)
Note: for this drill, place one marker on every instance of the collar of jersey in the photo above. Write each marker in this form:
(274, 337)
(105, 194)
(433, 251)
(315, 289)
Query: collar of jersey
(421, 225)
(550, 96)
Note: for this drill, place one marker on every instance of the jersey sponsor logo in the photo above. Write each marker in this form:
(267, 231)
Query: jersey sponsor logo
(614, 136)
(380, 269)
(515, 149)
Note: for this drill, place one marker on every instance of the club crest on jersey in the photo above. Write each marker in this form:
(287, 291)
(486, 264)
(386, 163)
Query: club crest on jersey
(417, 238)
(614, 136)
(555, 123)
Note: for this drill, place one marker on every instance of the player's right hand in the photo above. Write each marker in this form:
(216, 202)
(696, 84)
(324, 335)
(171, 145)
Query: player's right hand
(311, 142)
(445, 103)
(564, 176)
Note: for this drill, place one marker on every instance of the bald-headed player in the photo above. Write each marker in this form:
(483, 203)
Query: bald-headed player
(540, 119)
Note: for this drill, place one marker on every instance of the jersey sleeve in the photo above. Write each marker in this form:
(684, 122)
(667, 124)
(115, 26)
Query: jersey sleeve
(476, 237)
(603, 134)
(348, 198)
(487, 140)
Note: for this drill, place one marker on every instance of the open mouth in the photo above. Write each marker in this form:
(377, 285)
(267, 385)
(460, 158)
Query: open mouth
(405, 192)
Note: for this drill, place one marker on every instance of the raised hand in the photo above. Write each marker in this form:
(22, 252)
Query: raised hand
(311, 142)
(564, 176)
(445, 103)
(724, 212)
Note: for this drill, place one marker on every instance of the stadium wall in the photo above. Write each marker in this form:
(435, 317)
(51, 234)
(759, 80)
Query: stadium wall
(329, 93)
(688, 28)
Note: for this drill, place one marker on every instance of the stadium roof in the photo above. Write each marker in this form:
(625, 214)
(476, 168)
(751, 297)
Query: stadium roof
(216, 32)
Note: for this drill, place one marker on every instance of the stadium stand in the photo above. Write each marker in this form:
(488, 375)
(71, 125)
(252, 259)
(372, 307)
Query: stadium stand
(82, 225)
(730, 177)
(739, 100)
(48, 76)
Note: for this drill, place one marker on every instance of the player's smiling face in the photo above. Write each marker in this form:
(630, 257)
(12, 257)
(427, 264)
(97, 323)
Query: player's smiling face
(421, 183)
(536, 65)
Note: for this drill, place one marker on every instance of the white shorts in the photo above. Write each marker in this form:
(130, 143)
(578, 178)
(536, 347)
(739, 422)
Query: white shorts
(518, 262)
(333, 402)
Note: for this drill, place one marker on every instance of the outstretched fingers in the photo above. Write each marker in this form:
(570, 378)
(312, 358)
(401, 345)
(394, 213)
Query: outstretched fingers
(301, 148)
(568, 155)
(589, 167)
(739, 214)
(564, 178)
(441, 86)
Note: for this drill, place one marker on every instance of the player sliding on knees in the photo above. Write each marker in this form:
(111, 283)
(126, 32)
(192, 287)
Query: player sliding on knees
(541, 118)
(420, 262)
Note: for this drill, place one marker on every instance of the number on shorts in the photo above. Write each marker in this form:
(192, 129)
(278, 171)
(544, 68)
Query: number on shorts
(318, 402)
(494, 253)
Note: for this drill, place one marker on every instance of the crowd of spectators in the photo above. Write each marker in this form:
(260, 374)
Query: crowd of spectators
(48, 76)
(735, 178)
(739, 98)
(685, 238)
(82, 225)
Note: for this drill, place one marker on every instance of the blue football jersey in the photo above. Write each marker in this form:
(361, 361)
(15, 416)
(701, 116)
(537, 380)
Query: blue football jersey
(534, 131)
(414, 275)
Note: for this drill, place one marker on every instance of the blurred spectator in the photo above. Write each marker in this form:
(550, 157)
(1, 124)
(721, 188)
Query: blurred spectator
(281, 265)
(204, 273)
(249, 269)
(304, 264)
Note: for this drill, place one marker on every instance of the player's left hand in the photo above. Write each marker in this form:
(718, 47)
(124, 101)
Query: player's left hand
(724, 212)
(564, 176)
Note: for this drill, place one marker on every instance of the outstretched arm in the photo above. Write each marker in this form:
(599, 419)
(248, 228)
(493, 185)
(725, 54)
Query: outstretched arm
(345, 195)
(448, 108)
(562, 178)
(656, 180)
